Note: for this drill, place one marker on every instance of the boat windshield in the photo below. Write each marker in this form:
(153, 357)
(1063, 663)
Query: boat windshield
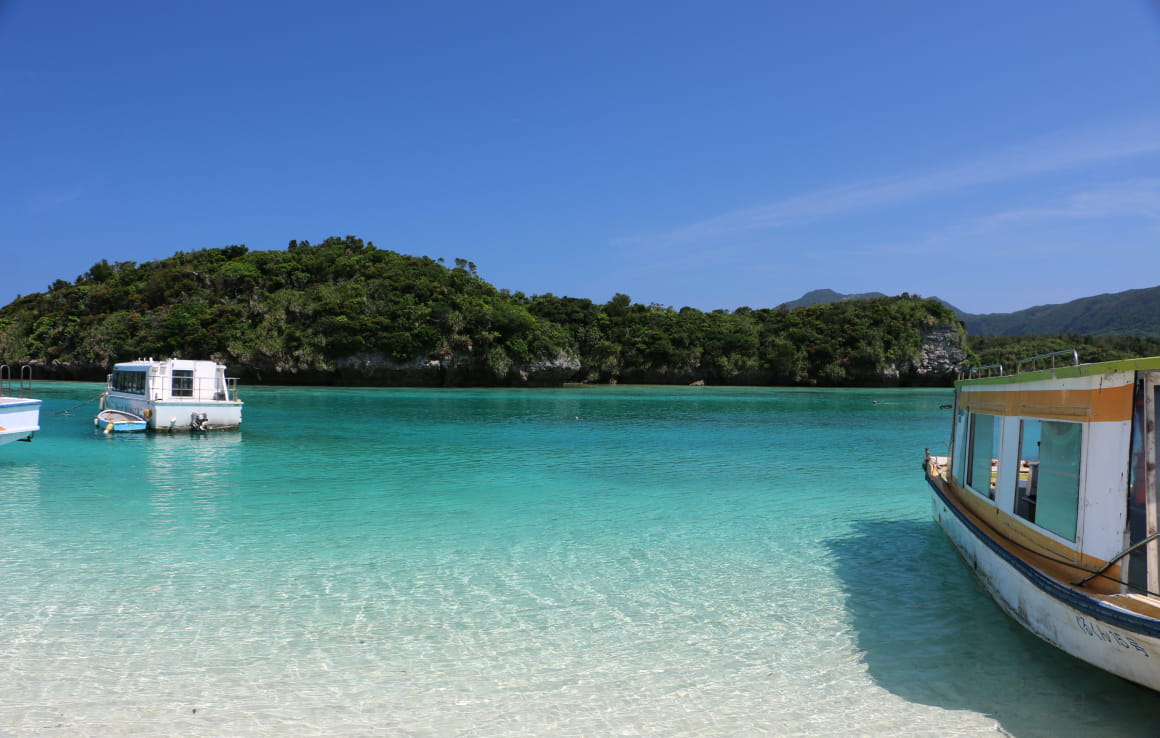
(131, 382)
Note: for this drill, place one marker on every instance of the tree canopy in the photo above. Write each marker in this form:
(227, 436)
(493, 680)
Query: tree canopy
(1009, 350)
(301, 312)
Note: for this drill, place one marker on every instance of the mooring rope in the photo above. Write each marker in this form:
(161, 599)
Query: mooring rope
(1118, 556)
(86, 402)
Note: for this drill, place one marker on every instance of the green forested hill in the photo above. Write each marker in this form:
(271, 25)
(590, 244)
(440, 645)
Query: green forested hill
(1129, 313)
(344, 311)
(817, 297)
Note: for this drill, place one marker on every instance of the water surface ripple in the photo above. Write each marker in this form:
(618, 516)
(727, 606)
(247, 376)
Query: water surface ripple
(571, 562)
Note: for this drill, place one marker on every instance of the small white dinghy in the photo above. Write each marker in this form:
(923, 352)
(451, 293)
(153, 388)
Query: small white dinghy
(119, 421)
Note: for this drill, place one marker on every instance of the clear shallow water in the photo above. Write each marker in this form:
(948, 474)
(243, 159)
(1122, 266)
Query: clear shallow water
(590, 561)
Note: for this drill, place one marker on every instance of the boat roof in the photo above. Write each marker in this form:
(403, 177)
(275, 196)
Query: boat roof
(9, 401)
(1066, 372)
(141, 365)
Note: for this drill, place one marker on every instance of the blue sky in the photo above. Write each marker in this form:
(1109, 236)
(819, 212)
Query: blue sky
(996, 154)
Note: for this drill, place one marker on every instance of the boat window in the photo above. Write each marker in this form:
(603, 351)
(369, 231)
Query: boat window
(958, 447)
(983, 453)
(1027, 483)
(183, 383)
(131, 382)
(1057, 494)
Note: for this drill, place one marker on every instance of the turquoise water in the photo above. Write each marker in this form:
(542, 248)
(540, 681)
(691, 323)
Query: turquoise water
(588, 561)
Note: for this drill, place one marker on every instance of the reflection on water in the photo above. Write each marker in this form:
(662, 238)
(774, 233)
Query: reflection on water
(188, 475)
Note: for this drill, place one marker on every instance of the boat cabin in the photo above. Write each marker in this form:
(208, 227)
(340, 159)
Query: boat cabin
(173, 379)
(1049, 494)
(175, 394)
(1069, 453)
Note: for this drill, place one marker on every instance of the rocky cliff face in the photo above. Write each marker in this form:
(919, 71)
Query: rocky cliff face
(456, 369)
(943, 353)
(556, 371)
(941, 357)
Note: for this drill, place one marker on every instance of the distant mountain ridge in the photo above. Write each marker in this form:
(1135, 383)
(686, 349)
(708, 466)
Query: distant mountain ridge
(823, 297)
(1129, 313)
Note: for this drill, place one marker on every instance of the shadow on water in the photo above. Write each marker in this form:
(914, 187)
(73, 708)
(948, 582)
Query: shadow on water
(930, 634)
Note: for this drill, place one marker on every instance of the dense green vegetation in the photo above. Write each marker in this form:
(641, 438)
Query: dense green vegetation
(837, 343)
(346, 311)
(1009, 350)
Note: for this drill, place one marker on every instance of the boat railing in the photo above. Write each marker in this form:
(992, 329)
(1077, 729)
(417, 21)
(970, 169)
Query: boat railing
(208, 388)
(203, 389)
(975, 372)
(1053, 355)
(23, 384)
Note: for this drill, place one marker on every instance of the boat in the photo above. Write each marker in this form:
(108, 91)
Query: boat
(175, 394)
(19, 414)
(119, 421)
(1048, 491)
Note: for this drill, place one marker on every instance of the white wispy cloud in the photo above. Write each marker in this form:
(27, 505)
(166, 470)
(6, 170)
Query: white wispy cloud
(46, 202)
(1005, 231)
(1056, 152)
(1138, 198)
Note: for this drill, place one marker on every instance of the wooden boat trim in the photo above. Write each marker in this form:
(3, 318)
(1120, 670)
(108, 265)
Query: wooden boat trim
(1095, 606)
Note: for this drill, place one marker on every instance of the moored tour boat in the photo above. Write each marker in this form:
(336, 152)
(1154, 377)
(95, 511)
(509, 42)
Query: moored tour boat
(119, 421)
(19, 414)
(175, 394)
(1049, 494)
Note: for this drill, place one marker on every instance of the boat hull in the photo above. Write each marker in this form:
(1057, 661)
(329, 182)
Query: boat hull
(1103, 635)
(19, 419)
(179, 414)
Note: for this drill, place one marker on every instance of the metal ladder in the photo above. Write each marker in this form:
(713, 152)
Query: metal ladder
(23, 385)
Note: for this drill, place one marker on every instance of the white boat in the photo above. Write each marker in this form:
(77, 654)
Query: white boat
(1049, 494)
(119, 421)
(175, 394)
(19, 414)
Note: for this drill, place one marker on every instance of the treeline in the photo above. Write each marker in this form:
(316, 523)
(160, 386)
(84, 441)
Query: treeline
(1009, 350)
(346, 311)
(856, 342)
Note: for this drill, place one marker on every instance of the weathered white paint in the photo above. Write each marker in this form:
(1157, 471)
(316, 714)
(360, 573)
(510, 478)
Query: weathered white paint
(1103, 509)
(1130, 655)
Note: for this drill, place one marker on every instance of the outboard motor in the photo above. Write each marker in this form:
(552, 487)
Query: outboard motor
(198, 421)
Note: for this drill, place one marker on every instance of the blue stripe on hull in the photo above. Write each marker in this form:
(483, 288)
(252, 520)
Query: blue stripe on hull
(1087, 605)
